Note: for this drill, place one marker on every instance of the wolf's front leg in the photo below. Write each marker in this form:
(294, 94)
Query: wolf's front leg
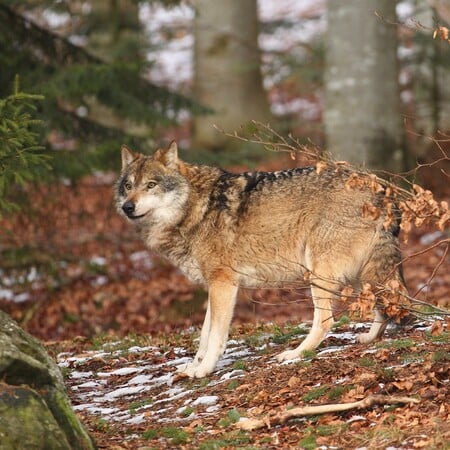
(203, 345)
(222, 298)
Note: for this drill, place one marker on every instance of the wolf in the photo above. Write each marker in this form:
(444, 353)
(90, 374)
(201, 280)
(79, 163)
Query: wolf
(259, 229)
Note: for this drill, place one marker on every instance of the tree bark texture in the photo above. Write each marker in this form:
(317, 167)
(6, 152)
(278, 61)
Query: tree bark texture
(363, 122)
(227, 69)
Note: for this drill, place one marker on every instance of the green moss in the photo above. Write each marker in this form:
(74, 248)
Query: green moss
(232, 385)
(308, 442)
(282, 336)
(232, 416)
(176, 435)
(232, 439)
(240, 365)
(365, 362)
(62, 410)
(440, 356)
(315, 393)
(443, 338)
(27, 421)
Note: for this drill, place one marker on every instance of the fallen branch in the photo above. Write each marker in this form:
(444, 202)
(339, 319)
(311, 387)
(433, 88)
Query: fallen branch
(268, 420)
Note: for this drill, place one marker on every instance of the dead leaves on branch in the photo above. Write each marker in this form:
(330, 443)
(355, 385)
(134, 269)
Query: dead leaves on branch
(417, 207)
(442, 33)
(391, 297)
(422, 208)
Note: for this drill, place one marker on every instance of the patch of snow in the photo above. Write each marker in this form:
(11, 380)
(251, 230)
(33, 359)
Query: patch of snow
(237, 352)
(90, 384)
(224, 362)
(98, 260)
(174, 395)
(137, 349)
(140, 379)
(404, 10)
(76, 374)
(142, 259)
(270, 10)
(136, 419)
(100, 281)
(56, 19)
(95, 409)
(429, 238)
(211, 409)
(355, 418)
(6, 294)
(233, 374)
(207, 400)
(234, 342)
(423, 287)
(345, 336)
(305, 108)
(290, 361)
(23, 297)
(328, 350)
(123, 392)
(125, 371)
(179, 361)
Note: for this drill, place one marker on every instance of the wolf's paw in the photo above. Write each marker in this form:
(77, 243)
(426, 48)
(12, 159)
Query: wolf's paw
(288, 355)
(194, 370)
(365, 338)
(183, 367)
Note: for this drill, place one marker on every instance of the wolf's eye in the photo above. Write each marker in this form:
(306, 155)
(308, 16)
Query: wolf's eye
(128, 186)
(151, 184)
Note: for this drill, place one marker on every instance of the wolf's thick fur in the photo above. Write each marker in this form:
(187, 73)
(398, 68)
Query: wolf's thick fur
(258, 229)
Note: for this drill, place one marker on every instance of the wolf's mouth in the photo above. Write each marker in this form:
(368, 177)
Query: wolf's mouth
(137, 217)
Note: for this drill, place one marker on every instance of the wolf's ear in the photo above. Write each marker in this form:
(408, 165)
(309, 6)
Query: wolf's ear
(172, 155)
(128, 156)
(169, 156)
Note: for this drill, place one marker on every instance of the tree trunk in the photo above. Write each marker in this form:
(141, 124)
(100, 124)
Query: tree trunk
(363, 122)
(431, 70)
(227, 69)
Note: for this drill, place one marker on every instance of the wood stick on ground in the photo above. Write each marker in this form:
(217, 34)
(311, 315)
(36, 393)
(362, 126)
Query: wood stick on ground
(281, 417)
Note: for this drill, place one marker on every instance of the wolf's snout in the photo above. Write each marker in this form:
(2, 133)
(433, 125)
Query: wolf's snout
(128, 207)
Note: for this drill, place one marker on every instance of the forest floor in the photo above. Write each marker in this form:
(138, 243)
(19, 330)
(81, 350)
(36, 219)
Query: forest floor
(118, 319)
(129, 396)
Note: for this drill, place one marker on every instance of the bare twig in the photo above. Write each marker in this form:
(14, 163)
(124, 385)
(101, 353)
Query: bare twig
(283, 416)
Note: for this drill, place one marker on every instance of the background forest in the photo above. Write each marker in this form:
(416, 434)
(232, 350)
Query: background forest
(363, 81)
(366, 81)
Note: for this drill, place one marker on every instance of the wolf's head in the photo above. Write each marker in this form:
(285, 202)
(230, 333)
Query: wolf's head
(151, 189)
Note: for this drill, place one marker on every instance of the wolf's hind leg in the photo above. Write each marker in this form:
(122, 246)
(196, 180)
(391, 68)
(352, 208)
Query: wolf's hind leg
(322, 321)
(383, 266)
(379, 324)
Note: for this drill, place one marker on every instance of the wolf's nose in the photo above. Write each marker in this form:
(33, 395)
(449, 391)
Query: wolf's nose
(128, 207)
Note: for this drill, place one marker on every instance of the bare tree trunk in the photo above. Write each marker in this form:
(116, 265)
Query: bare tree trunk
(227, 69)
(363, 122)
(432, 74)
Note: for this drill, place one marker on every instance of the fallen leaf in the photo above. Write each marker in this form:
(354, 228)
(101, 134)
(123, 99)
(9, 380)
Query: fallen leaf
(293, 381)
(437, 328)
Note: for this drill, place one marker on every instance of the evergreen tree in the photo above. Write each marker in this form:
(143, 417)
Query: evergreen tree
(93, 102)
(21, 158)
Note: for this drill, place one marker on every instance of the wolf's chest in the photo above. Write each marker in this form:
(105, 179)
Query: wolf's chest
(191, 269)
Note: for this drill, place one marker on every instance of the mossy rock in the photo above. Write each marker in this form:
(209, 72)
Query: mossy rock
(27, 422)
(34, 406)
